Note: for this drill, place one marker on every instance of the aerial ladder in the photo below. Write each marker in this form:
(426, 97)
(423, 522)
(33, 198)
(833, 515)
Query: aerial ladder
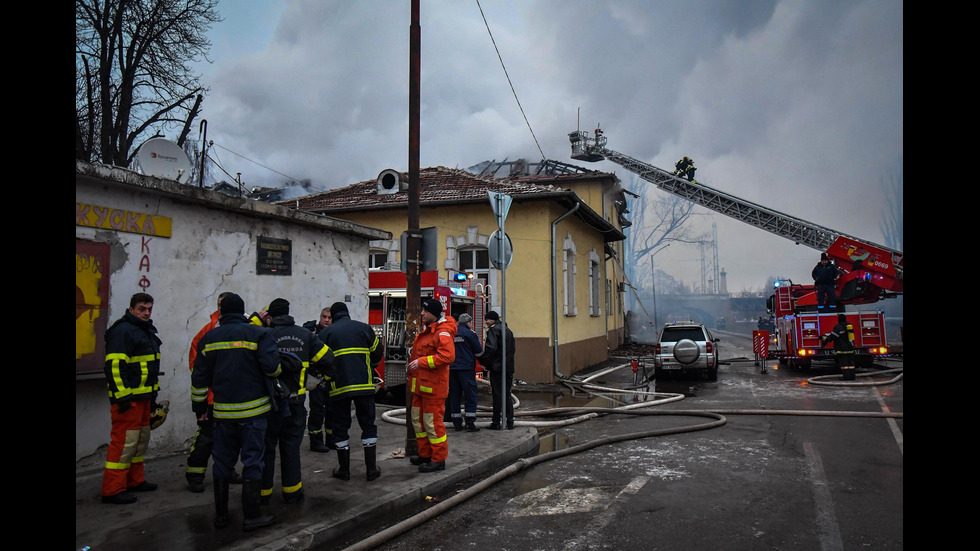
(870, 271)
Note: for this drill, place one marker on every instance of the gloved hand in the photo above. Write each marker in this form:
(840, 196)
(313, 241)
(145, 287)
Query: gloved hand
(124, 405)
(200, 409)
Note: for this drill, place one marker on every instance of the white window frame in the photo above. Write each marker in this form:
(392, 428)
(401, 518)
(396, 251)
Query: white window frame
(595, 279)
(568, 275)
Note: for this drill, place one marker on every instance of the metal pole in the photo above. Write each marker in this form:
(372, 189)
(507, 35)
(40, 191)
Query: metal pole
(413, 280)
(502, 248)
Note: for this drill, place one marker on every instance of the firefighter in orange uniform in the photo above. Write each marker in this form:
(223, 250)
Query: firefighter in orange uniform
(428, 374)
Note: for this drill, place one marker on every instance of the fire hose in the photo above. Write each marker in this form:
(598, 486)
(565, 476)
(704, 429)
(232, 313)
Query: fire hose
(583, 413)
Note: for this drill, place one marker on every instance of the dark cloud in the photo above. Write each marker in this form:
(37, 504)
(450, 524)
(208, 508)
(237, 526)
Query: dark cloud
(795, 105)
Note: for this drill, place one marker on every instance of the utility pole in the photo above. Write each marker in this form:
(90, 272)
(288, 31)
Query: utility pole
(413, 280)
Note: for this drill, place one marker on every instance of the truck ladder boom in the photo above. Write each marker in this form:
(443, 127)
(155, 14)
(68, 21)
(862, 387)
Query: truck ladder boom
(796, 229)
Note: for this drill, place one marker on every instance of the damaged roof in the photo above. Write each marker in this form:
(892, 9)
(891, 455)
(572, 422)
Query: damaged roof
(449, 186)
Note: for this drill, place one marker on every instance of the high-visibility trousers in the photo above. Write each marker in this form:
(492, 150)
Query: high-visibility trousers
(127, 448)
(430, 431)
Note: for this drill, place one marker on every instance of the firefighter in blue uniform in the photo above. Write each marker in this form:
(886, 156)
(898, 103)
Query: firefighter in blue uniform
(357, 351)
(237, 362)
(287, 425)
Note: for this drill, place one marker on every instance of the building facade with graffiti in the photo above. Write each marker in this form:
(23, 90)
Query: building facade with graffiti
(185, 245)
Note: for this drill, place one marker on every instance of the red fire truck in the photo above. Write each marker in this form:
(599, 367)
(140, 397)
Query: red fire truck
(387, 314)
(867, 275)
(869, 272)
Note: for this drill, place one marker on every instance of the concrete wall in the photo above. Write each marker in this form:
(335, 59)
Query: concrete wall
(212, 248)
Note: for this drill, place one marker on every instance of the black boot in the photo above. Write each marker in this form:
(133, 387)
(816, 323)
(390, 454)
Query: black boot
(254, 518)
(371, 462)
(343, 458)
(316, 443)
(471, 425)
(220, 502)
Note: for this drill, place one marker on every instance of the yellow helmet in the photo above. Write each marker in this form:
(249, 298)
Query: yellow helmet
(158, 413)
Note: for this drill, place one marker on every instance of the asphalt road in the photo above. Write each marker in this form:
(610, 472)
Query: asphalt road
(772, 476)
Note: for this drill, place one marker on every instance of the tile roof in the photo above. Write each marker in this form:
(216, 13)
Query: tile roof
(436, 185)
(451, 186)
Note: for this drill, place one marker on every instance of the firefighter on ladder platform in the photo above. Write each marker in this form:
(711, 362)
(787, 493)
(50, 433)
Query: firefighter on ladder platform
(843, 337)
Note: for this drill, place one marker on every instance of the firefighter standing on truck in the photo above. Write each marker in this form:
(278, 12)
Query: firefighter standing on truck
(433, 351)
(285, 431)
(843, 336)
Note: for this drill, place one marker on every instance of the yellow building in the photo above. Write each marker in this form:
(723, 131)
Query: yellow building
(564, 284)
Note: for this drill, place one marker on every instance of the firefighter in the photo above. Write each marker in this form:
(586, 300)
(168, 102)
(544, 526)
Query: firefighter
(357, 351)
(843, 337)
(286, 427)
(237, 361)
(319, 422)
(132, 369)
(462, 375)
(200, 453)
(428, 372)
(824, 276)
(685, 168)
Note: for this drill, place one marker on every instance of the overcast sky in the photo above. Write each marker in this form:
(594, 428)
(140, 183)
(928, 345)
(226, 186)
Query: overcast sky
(795, 105)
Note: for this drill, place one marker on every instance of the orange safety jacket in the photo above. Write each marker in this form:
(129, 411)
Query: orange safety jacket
(435, 350)
(193, 352)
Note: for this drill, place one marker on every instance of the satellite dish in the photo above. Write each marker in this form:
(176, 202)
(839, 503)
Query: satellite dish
(164, 159)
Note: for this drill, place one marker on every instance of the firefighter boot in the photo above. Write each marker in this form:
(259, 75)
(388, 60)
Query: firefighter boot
(254, 518)
(371, 463)
(316, 443)
(343, 459)
(220, 502)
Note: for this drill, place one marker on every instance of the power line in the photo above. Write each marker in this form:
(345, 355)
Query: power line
(508, 80)
(257, 163)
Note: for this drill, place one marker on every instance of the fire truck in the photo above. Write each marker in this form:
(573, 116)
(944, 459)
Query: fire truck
(387, 315)
(869, 272)
(867, 275)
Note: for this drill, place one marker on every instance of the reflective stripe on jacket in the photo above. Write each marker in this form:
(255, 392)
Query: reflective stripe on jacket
(132, 360)
(307, 347)
(435, 350)
(356, 351)
(236, 360)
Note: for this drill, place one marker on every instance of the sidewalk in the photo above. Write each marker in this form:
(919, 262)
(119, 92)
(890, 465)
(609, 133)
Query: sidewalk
(173, 518)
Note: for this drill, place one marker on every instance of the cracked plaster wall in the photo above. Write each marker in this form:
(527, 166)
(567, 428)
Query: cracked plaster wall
(211, 250)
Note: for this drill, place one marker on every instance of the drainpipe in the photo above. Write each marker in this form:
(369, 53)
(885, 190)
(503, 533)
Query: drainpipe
(554, 288)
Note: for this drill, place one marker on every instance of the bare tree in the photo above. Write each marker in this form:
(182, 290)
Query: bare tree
(892, 224)
(133, 75)
(657, 222)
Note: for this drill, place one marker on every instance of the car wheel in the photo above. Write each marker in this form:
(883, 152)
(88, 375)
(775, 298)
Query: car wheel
(712, 373)
(658, 373)
(686, 351)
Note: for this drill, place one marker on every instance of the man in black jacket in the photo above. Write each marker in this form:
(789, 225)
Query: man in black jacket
(132, 369)
(824, 278)
(357, 351)
(493, 360)
(288, 423)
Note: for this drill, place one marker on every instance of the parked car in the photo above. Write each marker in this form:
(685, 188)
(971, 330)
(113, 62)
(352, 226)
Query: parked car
(686, 347)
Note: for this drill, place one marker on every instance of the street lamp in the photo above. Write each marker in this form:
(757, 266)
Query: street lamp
(653, 286)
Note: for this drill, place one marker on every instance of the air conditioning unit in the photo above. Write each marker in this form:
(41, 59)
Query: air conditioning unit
(390, 182)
